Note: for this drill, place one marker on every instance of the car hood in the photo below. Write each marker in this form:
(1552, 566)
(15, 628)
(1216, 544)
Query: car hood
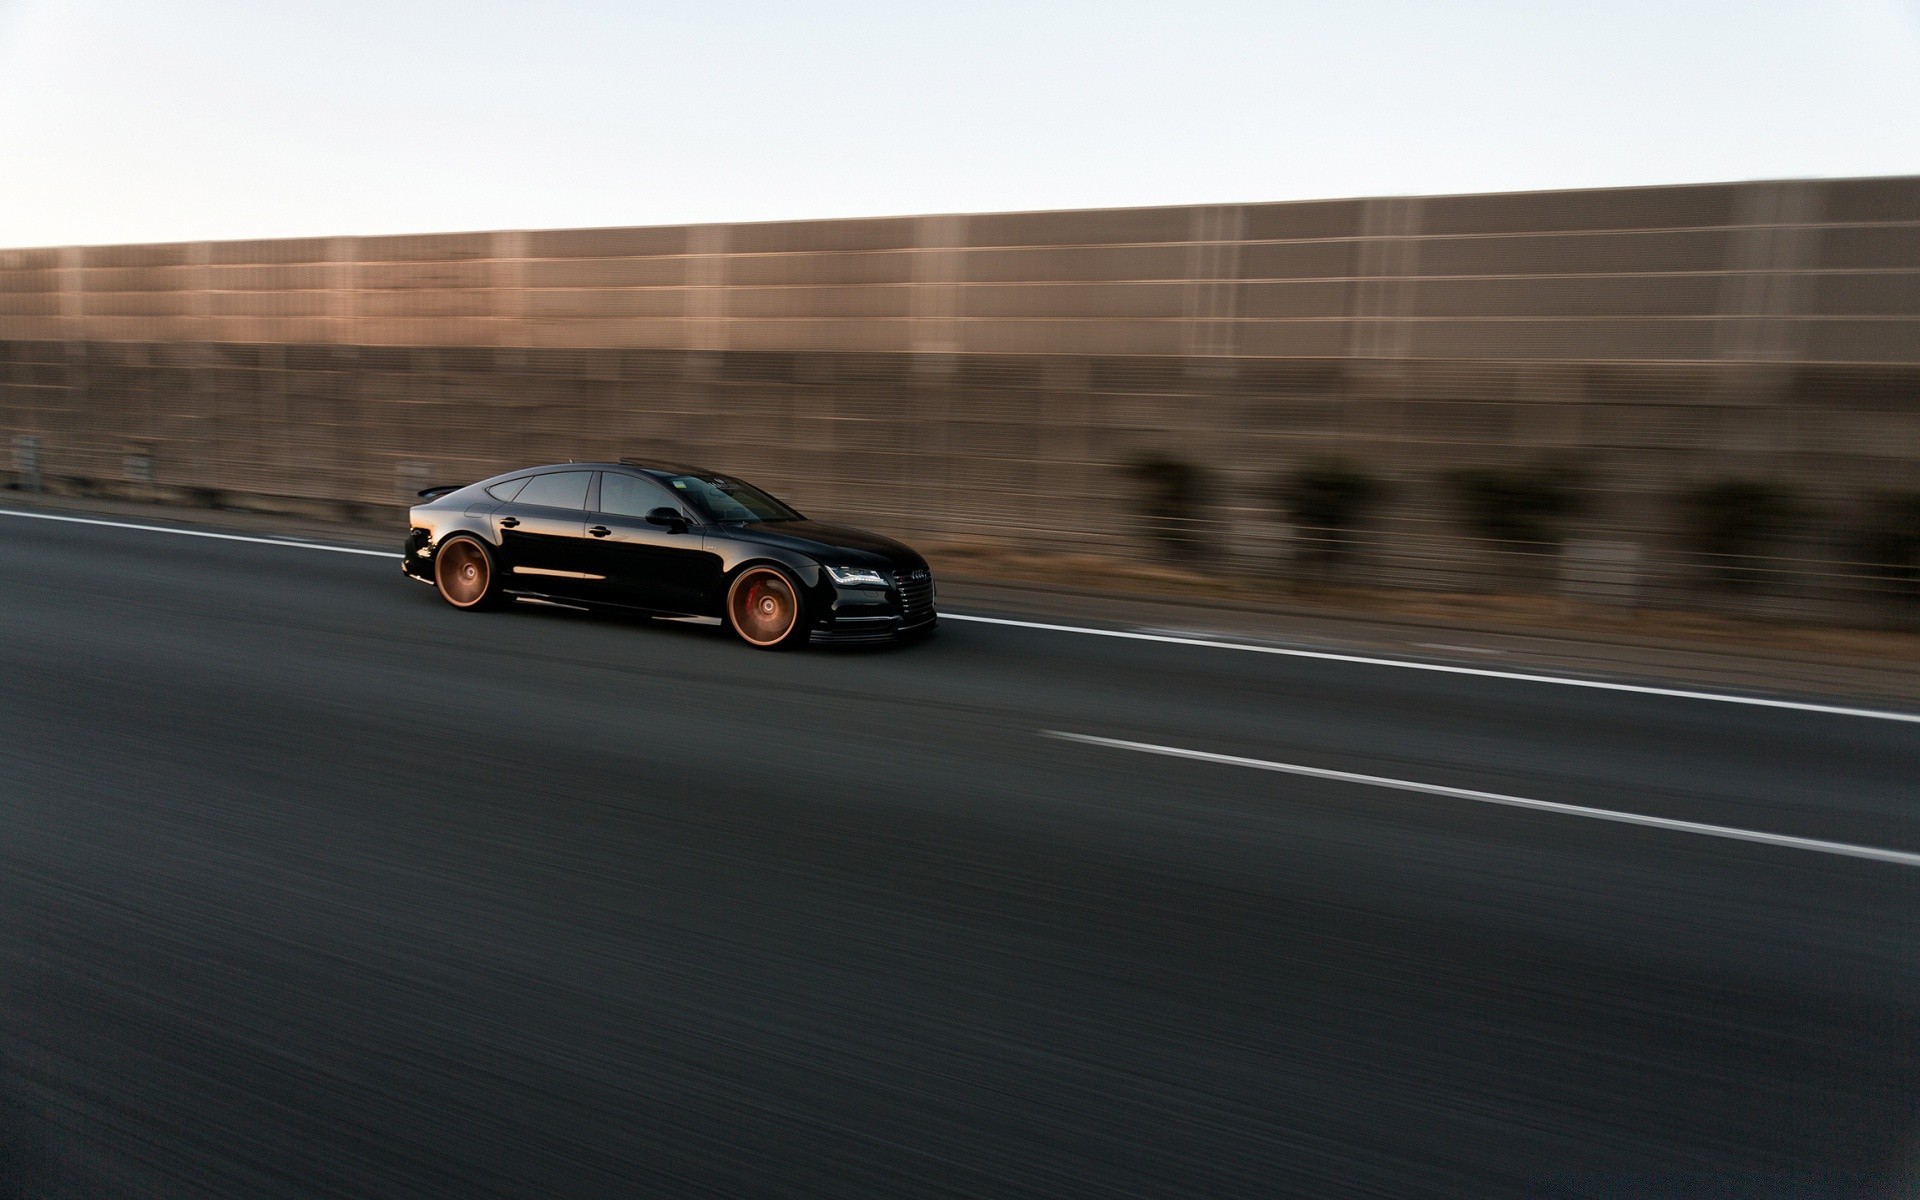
(833, 543)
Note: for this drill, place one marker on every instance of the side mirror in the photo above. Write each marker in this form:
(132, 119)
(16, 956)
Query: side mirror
(671, 518)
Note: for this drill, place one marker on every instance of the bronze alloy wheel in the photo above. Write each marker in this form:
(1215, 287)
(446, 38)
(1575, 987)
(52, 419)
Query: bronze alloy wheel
(463, 571)
(764, 608)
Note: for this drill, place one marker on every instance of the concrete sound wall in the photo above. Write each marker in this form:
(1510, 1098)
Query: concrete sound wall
(969, 377)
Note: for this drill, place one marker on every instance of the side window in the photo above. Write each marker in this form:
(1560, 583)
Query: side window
(630, 496)
(508, 489)
(561, 489)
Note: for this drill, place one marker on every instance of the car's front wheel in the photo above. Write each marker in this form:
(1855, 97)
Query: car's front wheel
(463, 572)
(765, 610)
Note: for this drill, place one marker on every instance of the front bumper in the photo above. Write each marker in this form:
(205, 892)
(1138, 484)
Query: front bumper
(885, 629)
(865, 614)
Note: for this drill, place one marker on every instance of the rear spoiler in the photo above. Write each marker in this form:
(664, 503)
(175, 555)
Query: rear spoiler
(439, 490)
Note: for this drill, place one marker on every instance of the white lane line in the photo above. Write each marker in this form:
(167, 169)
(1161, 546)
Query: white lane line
(1448, 669)
(1131, 635)
(1899, 857)
(199, 533)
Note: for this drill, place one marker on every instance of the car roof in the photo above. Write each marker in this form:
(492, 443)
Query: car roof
(632, 464)
(665, 468)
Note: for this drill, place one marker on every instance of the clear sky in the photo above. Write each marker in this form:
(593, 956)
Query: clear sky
(123, 120)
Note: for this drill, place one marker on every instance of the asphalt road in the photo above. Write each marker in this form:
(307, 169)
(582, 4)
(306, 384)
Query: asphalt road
(311, 886)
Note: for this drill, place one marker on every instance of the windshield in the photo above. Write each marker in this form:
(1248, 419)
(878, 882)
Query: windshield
(722, 498)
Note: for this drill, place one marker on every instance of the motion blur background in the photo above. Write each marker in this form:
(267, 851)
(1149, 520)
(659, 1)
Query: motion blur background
(1683, 396)
(1672, 395)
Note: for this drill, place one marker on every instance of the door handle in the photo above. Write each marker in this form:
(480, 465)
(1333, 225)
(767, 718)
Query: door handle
(509, 523)
(599, 531)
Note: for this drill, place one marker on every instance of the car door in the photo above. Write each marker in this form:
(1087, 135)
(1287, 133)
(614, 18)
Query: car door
(667, 567)
(543, 536)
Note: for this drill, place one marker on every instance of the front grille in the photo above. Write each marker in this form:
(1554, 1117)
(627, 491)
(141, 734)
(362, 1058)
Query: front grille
(916, 593)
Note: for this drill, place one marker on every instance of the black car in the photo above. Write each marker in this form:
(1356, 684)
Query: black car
(666, 540)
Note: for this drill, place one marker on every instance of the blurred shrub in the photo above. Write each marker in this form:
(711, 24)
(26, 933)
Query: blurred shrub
(1327, 500)
(1890, 542)
(1174, 502)
(1522, 505)
(1731, 523)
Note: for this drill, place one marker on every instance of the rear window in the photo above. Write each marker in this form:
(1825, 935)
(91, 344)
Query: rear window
(562, 489)
(507, 490)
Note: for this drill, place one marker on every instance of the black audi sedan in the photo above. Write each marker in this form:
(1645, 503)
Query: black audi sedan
(669, 541)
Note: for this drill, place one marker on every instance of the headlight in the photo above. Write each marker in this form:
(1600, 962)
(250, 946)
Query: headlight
(856, 577)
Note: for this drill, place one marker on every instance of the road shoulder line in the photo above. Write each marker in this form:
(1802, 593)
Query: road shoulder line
(199, 533)
(1450, 669)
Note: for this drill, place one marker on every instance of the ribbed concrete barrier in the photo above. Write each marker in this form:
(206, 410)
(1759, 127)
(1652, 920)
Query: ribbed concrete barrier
(1002, 377)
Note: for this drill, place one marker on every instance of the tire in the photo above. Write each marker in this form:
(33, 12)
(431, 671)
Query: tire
(464, 574)
(764, 609)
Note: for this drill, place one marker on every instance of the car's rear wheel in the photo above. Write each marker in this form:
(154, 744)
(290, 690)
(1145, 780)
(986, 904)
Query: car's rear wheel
(463, 572)
(765, 610)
